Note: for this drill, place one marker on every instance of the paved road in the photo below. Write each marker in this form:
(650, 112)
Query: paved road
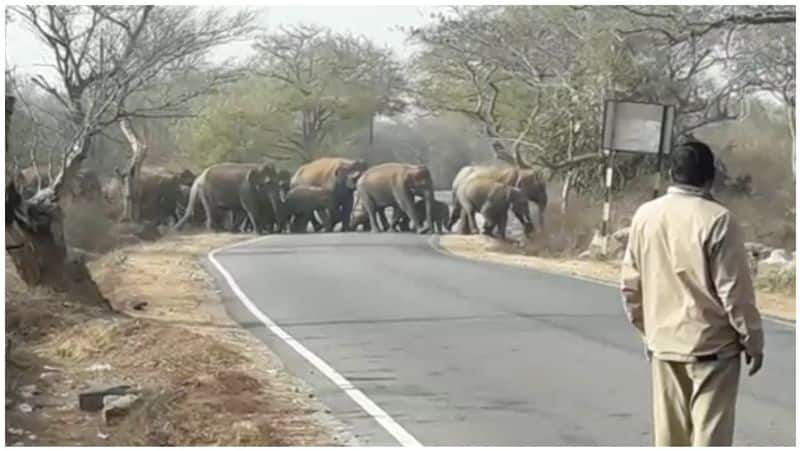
(467, 353)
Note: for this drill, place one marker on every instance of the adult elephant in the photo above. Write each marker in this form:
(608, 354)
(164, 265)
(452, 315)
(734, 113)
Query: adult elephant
(339, 175)
(160, 194)
(396, 184)
(233, 186)
(492, 200)
(530, 181)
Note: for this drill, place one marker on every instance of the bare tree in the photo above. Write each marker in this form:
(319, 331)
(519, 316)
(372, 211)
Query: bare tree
(109, 60)
(537, 77)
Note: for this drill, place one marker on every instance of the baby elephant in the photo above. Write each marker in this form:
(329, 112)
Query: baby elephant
(359, 217)
(492, 200)
(440, 214)
(301, 203)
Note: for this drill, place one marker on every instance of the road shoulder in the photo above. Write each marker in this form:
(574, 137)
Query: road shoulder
(778, 306)
(203, 379)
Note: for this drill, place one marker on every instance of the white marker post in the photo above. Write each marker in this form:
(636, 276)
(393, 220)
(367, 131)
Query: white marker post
(633, 127)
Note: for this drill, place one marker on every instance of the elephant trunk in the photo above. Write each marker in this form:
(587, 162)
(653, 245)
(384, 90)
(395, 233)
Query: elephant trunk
(541, 216)
(278, 209)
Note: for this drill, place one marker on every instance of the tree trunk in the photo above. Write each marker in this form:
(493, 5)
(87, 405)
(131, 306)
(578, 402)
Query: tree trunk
(43, 260)
(566, 188)
(790, 121)
(130, 178)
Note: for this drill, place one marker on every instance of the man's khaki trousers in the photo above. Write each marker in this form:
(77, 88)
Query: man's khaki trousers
(694, 403)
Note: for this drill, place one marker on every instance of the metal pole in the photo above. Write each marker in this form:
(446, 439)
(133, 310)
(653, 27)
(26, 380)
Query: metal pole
(604, 229)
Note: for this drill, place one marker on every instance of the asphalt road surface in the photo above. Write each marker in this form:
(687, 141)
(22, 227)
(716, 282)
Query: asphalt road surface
(458, 352)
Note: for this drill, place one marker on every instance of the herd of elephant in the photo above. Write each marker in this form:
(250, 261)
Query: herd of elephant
(321, 195)
(331, 191)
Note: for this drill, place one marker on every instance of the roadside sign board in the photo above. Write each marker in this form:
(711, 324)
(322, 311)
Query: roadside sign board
(637, 127)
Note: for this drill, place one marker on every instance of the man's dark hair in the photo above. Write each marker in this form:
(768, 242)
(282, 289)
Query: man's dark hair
(692, 163)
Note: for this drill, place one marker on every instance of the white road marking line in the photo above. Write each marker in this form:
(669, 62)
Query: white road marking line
(434, 243)
(391, 426)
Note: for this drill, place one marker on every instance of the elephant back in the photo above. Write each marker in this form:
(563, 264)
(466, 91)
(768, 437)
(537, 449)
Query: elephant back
(322, 172)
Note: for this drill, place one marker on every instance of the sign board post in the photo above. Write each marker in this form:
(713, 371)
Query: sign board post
(633, 127)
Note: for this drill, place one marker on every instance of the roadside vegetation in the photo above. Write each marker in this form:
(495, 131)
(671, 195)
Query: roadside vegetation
(137, 100)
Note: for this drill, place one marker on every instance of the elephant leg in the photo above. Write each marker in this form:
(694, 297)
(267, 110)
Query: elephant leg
(316, 223)
(455, 214)
(346, 206)
(258, 230)
(406, 203)
(208, 208)
(385, 224)
(328, 219)
(502, 223)
(299, 223)
(472, 224)
(369, 205)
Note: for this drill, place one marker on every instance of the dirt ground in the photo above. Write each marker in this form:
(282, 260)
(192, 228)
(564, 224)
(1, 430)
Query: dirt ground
(204, 380)
(780, 304)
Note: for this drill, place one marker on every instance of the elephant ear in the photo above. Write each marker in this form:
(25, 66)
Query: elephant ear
(186, 177)
(252, 178)
(512, 194)
(419, 173)
(267, 170)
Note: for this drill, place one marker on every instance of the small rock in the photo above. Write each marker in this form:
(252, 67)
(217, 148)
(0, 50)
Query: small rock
(139, 305)
(28, 391)
(32, 437)
(311, 396)
(197, 276)
(777, 256)
(245, 431)
(102, 436)
(621, 235)
(50, 368)
(25, 408)
(18, 444)
(93, 400)
(758, 250)
(117, 406)
(99, 367)
(16, 431)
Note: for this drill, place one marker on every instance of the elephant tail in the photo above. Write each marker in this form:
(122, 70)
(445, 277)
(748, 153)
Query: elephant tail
(193, 193)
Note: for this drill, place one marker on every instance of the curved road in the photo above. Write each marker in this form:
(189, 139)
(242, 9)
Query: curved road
(458, 352)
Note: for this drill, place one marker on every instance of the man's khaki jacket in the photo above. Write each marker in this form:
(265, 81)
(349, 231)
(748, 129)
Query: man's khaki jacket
(686, 281)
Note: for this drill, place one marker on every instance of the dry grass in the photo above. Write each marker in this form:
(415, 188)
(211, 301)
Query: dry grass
(204, 380)
(779, 303)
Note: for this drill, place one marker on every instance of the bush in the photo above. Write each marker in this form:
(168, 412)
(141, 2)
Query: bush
(87, 227)
(779, 280)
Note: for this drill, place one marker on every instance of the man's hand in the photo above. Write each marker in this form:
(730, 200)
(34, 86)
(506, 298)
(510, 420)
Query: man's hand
(755, 362)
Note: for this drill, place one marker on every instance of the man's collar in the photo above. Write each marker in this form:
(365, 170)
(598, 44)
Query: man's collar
(689, 190)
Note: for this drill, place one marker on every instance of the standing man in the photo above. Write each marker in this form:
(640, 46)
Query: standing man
(687, 289)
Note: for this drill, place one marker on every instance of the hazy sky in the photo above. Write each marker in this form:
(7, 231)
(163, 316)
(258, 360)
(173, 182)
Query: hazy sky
(377, 23)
